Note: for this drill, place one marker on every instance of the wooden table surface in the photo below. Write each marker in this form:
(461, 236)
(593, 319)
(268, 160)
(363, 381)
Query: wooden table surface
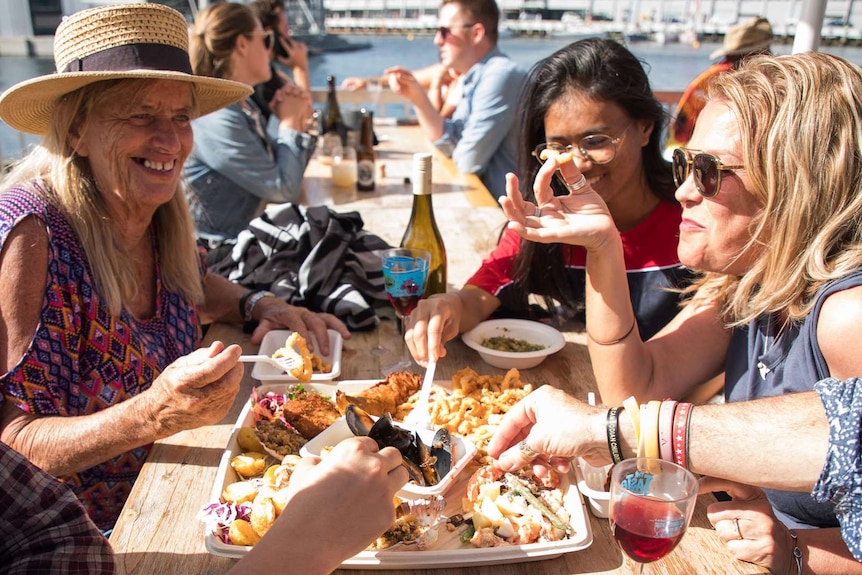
(158, 531)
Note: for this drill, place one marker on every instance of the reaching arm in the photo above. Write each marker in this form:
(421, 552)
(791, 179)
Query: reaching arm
(442, 317)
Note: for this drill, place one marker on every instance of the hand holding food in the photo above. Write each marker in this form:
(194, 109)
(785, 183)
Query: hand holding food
(553, 424)
(195, 390)
(581, 218)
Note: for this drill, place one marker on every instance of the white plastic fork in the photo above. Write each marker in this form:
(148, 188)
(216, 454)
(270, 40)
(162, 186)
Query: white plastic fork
(420, 417)
(283, 363)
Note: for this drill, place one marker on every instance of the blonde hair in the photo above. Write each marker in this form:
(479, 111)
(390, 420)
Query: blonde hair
(214, 34)
(72, 189)
(800, 121)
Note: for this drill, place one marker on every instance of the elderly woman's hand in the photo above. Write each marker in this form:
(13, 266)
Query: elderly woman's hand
(549, 427)
(748, 526)
(581, 218)
(197, 389)
(274, 313)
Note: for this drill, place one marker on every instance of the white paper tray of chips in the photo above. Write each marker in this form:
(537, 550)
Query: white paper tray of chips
(448, 551)
(275, 339)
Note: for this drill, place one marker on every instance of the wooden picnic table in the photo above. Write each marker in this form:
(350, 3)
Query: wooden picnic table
(158, 531)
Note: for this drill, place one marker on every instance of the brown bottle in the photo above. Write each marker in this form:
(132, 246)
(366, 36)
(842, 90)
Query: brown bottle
(365, 154)
(422, 231)
(332, 120)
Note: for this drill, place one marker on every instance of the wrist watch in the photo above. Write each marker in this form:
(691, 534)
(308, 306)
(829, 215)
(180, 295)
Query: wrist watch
(250, 300)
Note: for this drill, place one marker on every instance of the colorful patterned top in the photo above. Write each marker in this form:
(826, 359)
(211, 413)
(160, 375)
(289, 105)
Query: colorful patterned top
(83, 359)
(43, 527)
(840, 481)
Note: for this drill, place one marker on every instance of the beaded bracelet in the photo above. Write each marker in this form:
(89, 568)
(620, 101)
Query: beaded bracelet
(613, 434)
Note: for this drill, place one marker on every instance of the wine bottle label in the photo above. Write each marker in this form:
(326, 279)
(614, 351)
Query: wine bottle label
(365, 173)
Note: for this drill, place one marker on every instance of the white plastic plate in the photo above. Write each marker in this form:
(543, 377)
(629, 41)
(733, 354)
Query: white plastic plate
(448, 551)
(275, 339)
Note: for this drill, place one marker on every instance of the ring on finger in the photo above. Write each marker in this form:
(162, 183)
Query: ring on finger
(528, 451)
(538, 212)
(577, 185)
(738, 532)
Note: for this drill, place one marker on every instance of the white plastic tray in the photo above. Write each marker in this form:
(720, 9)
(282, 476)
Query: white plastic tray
(275, 339)
(448, 551)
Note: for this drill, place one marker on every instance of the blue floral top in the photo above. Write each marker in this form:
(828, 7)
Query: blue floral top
(841, 479)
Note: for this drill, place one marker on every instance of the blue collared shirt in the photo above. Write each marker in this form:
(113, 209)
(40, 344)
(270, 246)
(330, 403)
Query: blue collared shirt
(235, 170)
(481, 135)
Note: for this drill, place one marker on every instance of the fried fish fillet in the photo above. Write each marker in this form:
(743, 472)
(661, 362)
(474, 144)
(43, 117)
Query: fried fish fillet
(310, 413)
(384, 397)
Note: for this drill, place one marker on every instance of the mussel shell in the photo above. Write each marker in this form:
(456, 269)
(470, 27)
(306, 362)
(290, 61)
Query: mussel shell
(443, 452)
(427, 462)
(358, 420)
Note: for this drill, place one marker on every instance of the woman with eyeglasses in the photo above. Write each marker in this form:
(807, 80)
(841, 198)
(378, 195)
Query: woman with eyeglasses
(771, 191)
(237, 165)
(591, 101)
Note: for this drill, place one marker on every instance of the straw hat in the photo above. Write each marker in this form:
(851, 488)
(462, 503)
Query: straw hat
(747, 37)
(139, 40)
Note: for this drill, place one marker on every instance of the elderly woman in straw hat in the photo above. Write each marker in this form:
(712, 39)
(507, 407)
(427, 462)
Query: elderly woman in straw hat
(771, 192)
(102, 294)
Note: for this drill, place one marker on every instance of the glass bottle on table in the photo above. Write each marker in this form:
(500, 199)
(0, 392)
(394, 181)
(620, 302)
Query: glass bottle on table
(332, 120)
(365, 157)
(422, 231)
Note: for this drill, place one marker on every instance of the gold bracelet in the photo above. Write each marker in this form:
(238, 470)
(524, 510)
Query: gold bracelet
(616, 341)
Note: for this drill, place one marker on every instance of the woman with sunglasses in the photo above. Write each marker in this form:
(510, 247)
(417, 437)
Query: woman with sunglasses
(591, 100)
(771, 190)
(237, 167)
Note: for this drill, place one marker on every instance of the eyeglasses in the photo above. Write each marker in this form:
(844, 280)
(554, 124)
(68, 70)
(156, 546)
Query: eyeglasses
(595, 148)
(268, 38)
(707, 170)
(444, 31)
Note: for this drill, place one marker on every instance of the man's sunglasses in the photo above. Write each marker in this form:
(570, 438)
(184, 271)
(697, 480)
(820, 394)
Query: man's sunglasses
(444, 31)
(707, 170)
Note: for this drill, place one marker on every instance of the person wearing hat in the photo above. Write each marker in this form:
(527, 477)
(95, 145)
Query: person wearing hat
(236, 167)
(103, 293)
(745, 39)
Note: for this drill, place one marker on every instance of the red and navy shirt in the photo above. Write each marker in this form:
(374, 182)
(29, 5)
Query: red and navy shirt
(651, 261)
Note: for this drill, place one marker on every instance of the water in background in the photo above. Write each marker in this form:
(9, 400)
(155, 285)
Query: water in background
(670, 67)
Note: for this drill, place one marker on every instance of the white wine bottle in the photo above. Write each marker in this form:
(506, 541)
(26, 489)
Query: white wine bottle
(422, 229)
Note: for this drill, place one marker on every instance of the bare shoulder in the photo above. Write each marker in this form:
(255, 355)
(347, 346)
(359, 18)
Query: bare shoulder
(839, 330)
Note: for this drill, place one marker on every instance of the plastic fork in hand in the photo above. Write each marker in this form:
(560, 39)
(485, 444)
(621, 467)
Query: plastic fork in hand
(281, 363)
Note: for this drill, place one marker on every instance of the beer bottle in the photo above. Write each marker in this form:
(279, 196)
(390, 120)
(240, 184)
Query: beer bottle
(422, 229)
(365, 153)
(332, 120)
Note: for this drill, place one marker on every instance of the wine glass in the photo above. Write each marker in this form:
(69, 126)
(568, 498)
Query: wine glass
(374, 87)
(405, 271)
(651, 504)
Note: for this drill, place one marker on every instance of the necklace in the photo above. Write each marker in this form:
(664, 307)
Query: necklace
(768, 344)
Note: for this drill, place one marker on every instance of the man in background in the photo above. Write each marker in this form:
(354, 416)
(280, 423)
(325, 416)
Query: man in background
(480, 135)
(741, 41)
